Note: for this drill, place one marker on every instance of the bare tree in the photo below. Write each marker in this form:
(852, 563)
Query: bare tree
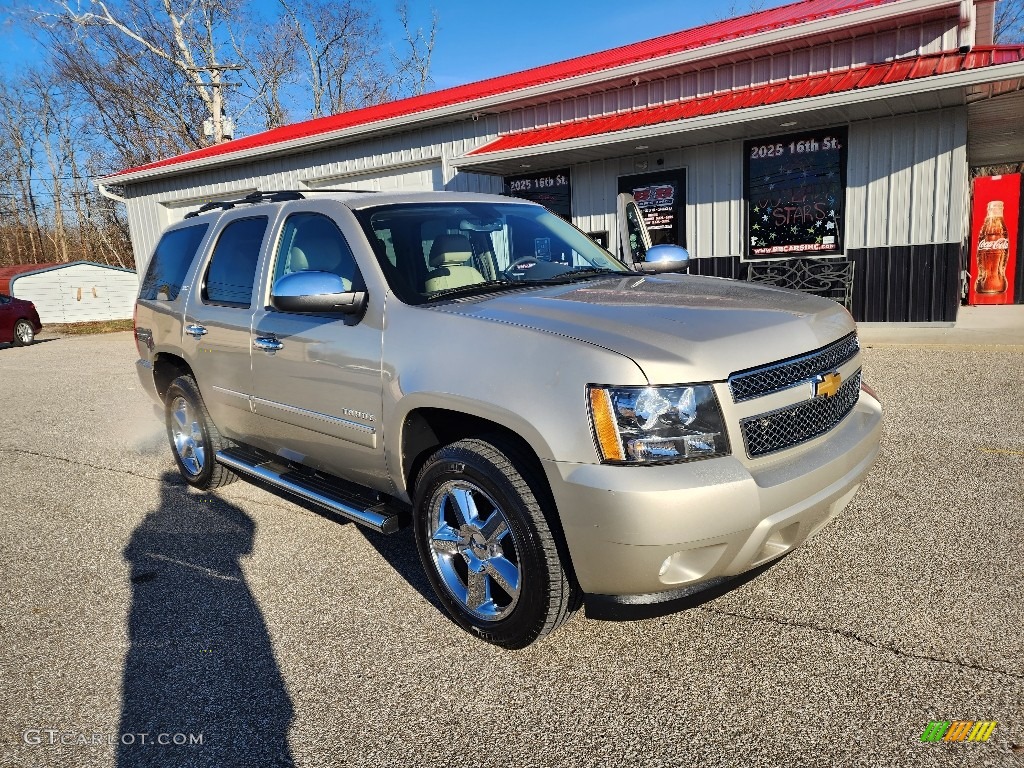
(154, 70)
(344, 65)
(1009, 22)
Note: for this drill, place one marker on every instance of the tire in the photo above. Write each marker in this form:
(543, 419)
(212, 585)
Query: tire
(23, 334)
(194, 437)
(486, 545)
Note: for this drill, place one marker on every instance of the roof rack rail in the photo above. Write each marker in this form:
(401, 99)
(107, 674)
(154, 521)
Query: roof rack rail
(225, 204)
(250, 199)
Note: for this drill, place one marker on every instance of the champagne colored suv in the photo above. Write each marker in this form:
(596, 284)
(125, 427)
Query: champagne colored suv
(558, 428)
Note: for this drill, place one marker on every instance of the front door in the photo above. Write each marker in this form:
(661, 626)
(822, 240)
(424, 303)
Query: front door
(317, 379)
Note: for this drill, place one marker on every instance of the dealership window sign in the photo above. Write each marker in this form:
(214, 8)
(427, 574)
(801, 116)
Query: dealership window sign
(551, 189)
(661, 198)
(796, 194)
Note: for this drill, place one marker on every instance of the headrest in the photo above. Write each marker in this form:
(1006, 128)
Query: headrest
(450, 249)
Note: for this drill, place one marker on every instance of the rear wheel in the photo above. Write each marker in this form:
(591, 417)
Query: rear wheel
(23, 333)
(486, 544)
(194, 437)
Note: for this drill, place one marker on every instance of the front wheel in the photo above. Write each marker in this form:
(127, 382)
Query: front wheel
(194, 437)
(486, 544)
(23, 333)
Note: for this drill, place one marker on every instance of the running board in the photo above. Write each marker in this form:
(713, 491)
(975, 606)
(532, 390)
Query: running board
(335, 495)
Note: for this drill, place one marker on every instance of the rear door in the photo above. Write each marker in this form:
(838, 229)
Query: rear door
(317, 378)
(218, 323)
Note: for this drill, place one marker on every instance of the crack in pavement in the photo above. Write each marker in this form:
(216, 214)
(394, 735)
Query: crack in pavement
(77, 462)
(851, 635)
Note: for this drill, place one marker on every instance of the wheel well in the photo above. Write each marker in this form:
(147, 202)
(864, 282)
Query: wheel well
(166, 368)
(427, 429)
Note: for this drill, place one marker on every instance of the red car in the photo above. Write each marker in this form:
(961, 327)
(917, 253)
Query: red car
(19, 321)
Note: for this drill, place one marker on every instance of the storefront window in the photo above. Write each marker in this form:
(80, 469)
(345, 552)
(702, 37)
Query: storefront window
(551, 189)
(661, 198)
(796, 194)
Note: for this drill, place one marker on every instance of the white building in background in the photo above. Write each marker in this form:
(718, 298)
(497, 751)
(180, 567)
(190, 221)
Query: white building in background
(894, 102)
(75, 292)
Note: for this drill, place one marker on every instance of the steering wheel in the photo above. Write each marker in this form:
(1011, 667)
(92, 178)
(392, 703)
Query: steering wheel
(518, 262)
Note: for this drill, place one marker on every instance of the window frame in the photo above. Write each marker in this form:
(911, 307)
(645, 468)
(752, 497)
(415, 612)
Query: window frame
(203, 293)
(358, 283)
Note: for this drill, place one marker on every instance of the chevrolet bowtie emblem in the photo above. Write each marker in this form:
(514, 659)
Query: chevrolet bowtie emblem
(827, 384)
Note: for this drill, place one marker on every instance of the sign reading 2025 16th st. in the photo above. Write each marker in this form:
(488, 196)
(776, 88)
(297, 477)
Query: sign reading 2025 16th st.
(796, 192)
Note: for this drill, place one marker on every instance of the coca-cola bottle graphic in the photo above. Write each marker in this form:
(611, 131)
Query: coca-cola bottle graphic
(993, 251)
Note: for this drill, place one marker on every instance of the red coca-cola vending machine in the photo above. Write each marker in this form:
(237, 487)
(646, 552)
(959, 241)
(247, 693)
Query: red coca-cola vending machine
(994, 229)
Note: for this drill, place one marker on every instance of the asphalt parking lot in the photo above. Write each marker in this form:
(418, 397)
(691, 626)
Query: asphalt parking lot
(278, 636)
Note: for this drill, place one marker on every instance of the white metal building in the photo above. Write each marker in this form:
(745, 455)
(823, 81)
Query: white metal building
(910, 94)
(76, 292)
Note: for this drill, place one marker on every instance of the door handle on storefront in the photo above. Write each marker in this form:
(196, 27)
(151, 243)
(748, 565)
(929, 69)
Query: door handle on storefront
(267, 344)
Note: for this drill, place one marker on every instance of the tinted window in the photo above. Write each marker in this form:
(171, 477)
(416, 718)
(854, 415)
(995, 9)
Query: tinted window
(171, 260)
(232, 270)
(313, 242)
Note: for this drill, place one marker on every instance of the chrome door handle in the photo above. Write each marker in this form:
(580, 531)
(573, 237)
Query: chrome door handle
(195, 331)
(267, 344)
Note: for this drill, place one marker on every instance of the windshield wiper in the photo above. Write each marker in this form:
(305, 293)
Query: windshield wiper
(575, 274)
(471, 289)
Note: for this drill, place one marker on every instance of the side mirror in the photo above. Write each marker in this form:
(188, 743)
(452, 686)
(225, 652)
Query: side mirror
(316, 292)
(664, 258)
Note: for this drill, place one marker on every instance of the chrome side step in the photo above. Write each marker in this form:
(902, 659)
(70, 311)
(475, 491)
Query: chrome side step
(338, 497)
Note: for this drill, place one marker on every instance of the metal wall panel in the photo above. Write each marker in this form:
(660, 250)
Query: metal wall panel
(911, 40)
(906, 185)
(154, 205)
(907, 180)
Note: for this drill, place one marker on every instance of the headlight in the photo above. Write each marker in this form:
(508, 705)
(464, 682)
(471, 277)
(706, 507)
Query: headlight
(646, 425)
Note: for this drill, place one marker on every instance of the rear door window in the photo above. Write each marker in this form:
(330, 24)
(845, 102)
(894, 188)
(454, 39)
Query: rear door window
(232, 270)
(171, 260)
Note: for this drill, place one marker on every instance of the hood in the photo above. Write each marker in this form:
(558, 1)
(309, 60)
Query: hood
(677, 328)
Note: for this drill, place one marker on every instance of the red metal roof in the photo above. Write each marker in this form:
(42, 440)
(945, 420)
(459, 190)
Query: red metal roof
(9, 273)
(667, 45)
(814, 85)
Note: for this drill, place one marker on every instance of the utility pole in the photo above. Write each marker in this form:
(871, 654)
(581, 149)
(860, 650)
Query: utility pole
(216, 71)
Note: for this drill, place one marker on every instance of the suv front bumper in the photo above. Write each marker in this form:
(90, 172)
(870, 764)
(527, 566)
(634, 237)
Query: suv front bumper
(647, 533)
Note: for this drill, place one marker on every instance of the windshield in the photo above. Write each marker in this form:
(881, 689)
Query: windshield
(434, 251)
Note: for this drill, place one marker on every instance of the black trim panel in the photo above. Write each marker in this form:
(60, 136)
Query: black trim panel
(901, 284)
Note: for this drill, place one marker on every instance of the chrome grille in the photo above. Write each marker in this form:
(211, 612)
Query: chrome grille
(778, 376)
(786, 427)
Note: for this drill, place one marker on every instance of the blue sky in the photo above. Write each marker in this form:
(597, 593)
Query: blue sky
(478, 40)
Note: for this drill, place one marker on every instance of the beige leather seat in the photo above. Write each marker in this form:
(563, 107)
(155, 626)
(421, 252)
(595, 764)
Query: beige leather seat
(448, 257)
(323, 254)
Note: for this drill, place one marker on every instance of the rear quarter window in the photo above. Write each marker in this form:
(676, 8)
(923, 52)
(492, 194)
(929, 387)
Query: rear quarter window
(171, 260)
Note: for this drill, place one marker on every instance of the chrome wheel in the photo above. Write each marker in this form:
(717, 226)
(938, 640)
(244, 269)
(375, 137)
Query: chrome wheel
(473, 550)
(187, 434)
(23, 331)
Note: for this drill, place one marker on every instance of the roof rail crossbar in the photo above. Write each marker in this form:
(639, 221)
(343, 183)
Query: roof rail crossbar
(250, 199)
(224, 204)
(273, 197)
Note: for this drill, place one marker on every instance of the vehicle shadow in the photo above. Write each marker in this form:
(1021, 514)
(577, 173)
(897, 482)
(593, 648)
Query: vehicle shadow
(398, 549)
(8, 345)
(201, 685)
